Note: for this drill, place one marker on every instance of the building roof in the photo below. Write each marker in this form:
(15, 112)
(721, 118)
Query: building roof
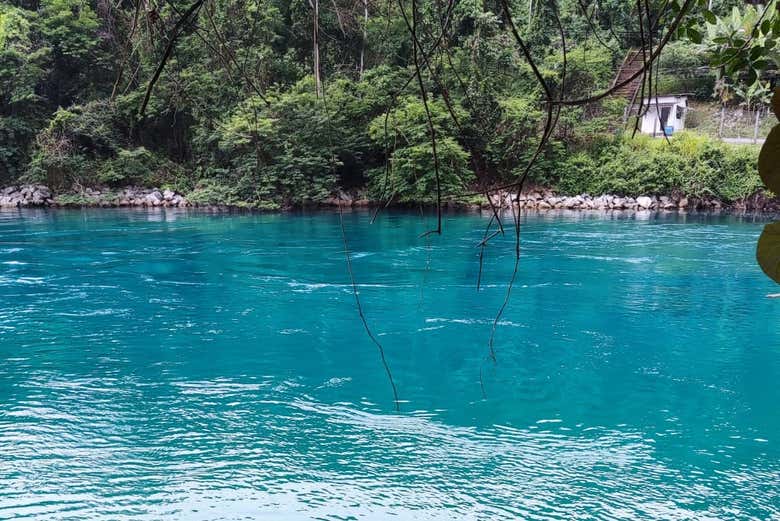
(666, 100)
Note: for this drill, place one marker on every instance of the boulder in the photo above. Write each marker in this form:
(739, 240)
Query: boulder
(153, 199)
(665, 203)
(644, 202)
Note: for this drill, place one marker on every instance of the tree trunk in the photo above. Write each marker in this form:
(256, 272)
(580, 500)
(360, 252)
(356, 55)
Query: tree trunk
(365, 37)
(338, 18)
(722, 117)
(316, 48)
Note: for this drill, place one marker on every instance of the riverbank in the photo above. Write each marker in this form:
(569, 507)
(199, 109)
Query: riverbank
(31, 195)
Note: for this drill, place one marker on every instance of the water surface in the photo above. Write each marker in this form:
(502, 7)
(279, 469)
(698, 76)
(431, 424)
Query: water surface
(165, 365)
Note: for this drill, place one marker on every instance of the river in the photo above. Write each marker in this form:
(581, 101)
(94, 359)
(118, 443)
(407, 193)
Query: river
(161, 365)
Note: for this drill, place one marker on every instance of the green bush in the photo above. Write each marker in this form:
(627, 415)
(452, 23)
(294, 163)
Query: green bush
(577, 174)
(515, 137)
(690, 164)
(681, 71)
(74, 146)
(299, 148)
(214, 192)
(140, 166)
(410, 175)
(23, 64)
(411, 178)
(86, 145)
(588, 68)
(737, 172)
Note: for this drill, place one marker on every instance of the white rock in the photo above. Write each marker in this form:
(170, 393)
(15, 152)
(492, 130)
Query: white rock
(644, 201)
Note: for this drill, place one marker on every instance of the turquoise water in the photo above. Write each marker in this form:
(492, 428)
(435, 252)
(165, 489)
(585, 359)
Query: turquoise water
(162, 366)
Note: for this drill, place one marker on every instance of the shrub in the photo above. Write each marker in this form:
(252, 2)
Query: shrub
(86, 145)
(679, 66)
(515, 136)
(140, 166)
(577, 173)
(410, 175)
(214, 192)
(299, 148)
(73, 146)
(23, 65)
(690, 164)
(411, 178)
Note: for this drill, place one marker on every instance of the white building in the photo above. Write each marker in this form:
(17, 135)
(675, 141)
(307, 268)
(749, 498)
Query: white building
(664, 113)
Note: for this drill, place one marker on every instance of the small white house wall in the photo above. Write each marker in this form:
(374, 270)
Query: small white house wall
(651, 122)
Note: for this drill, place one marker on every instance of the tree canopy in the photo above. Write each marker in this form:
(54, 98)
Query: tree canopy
(284, 102)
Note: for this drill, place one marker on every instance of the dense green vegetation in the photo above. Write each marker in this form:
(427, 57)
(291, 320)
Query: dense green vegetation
(240, 114)
(689, 164)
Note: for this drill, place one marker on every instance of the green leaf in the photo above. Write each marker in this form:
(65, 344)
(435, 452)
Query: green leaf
(752, 76)
(768, 251)
(761, 65)
(769, 160)
(710, 17)
(735, 64)
(694, 35)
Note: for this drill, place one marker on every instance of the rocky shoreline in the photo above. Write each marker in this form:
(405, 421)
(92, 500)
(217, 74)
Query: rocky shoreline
(548, 200)
(40, 196)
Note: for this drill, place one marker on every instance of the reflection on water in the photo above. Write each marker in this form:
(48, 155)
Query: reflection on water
(170, 365)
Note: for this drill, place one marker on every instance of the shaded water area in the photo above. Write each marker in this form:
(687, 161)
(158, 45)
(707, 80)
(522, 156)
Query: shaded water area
(164, 365)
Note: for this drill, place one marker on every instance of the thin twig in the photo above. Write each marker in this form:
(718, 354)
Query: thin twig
(362, 315)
